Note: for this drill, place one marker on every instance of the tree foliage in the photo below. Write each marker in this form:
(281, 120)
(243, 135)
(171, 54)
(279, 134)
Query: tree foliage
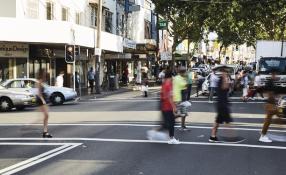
(235, 21)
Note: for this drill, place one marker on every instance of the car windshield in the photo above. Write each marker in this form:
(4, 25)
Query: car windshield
(267, 65)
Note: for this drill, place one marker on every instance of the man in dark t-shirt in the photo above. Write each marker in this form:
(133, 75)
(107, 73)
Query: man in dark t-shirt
(222, 106)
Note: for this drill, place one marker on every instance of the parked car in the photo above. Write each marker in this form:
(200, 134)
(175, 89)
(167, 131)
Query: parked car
(56, 95)
(11, 99)
(281, 107)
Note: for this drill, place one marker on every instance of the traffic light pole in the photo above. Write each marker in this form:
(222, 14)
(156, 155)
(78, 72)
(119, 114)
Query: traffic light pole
(98, 44)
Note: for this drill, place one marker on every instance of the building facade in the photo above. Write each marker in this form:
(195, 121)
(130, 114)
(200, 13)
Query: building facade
(36, 32)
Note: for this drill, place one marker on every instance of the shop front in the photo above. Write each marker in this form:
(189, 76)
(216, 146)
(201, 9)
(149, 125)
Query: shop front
(13, 60)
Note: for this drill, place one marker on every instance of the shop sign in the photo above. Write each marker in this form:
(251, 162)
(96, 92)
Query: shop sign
(129, 43)
(166, 56)
(14, 50)
(118, 56)
(163, 25)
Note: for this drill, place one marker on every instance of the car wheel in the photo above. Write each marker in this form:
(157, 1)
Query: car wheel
(5, 104)
(20, 108)
(57, 99)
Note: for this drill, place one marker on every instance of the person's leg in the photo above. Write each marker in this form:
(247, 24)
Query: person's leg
(211, 89)
(44, 110)
(214, 130)
(183, 120)
(266, 124)
(189, 90)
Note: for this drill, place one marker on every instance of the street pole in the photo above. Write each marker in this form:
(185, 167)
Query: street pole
(98, 44)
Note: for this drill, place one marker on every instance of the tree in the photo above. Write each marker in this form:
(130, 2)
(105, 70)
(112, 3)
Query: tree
(186, 20)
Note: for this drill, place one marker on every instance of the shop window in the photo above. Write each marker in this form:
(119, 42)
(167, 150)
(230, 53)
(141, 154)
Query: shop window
(33, 9)
(77, 18)
(93, 16)
(21, 65)
(65, 14)
(147, 30)
(108, 21)
(50, 10)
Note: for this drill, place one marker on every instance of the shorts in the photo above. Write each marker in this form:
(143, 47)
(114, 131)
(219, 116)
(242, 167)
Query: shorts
(41, 102)
(223, 115)
(244, 92)
(181, 110)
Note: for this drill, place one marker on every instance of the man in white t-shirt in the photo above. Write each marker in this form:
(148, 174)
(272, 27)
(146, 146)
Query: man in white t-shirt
(60, 79)
(257, 86)
(212, 85)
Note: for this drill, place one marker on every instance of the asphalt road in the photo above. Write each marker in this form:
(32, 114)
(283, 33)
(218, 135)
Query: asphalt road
(108, 137)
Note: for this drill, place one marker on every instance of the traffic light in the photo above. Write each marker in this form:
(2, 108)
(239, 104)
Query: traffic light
(69, 53)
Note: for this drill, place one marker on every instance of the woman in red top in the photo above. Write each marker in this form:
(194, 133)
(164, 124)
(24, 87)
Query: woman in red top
(168, 107)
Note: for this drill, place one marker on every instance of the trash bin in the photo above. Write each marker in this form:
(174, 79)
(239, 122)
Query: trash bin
(112, 83)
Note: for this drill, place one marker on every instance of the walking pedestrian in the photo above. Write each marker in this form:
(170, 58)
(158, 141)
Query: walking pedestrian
(190, 82)
(41, 100)
(91, 79)
(270, 107)
(60, 79)
(145, 83)
(200, 81)
(167, 108)
(212, 85)
(179, 96)
(223, 111)
(257, 86)
(244, 83)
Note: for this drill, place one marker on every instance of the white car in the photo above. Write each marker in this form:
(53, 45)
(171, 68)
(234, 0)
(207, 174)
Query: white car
(11, 99)
(56, 95)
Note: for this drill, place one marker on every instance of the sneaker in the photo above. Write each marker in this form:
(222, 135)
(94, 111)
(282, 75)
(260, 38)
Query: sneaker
(47, 135)
(174, 141)
(211, 101)
(213, 139)
(264, 138)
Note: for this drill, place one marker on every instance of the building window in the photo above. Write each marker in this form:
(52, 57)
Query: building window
(65, 14)
(93, 16)
(108, 21)
(33, 9)
(77, 18)
(50, 10)
(147, 30)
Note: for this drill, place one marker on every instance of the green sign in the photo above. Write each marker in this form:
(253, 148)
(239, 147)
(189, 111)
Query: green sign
(163, 24)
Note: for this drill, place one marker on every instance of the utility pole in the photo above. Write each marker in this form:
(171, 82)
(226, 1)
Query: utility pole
(98, 47)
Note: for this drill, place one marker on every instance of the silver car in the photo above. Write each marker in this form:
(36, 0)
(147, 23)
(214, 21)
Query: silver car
(10, 99)
(56, 95)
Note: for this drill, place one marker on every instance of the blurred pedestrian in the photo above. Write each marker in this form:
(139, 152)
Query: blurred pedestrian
(257, 86)
(60, 79)
(200, 81)
(41, 99)
(179, 95)
(91, 79)
(223, 111)
(167, 108)
(161, 76)
(145, 83)
(270, 107)
(244, 84)
(190, 82)
(212, 85)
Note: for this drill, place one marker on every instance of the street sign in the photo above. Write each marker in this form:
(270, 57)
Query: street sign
(134, 8)
(163, 24)
(97, 51)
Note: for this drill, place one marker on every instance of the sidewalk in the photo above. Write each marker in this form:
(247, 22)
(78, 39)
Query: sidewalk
(86, 96)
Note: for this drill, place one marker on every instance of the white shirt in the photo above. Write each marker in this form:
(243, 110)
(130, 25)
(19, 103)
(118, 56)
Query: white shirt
(257, 81)
(60, 81)
(213, 80)
(162, 75)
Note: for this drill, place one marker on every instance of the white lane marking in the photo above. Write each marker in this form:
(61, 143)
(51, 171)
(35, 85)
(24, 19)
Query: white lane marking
(37, 159)
(41, 160)
(137, 125)
(33, 144)
(155, 141)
